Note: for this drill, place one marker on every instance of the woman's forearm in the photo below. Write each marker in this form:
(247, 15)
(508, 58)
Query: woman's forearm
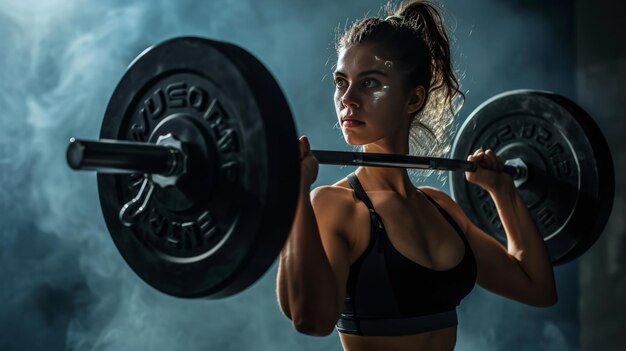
(306, 285)
(524, 242)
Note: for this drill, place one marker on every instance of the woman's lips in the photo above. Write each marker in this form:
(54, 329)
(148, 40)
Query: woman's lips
(351, 123)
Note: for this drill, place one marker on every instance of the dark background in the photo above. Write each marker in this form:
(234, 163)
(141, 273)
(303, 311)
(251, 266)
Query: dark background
(63, 285)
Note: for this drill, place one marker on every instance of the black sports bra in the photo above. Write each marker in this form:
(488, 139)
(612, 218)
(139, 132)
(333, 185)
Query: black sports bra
(388, 294)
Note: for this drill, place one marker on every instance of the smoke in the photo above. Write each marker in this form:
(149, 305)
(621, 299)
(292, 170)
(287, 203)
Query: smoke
(64, 285)
(58, 259)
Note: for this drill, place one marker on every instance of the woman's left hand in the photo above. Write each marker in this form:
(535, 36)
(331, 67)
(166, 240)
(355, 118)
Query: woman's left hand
(489, 175)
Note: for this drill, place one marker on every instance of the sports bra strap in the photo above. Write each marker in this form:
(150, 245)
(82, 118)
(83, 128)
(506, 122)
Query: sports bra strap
(360, 193)
(445, 213)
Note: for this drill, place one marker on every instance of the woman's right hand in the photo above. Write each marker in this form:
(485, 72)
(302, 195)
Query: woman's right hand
(308, 164)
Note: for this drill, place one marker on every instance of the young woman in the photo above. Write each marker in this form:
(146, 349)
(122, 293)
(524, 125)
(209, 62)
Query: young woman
(384, 262)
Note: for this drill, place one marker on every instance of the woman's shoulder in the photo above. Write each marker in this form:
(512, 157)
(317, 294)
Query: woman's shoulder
(436, 194)
(337, 201)
(335, 210)
(338, 195)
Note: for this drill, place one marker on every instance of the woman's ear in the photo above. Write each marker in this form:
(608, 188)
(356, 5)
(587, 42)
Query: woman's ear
(417, 98)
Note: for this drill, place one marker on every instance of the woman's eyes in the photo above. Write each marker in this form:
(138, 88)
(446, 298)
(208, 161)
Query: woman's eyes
(340, 83)
(366, 83)
(370, 83)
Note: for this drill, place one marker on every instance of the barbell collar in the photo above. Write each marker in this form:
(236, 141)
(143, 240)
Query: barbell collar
(113, 156)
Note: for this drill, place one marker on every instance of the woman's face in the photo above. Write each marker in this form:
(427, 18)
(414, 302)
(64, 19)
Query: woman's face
(371, 99)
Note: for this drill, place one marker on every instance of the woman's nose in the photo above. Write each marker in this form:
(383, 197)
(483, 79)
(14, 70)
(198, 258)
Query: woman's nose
(349, 98)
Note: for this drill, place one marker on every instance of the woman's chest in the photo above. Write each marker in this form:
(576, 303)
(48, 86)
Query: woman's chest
(415, 228)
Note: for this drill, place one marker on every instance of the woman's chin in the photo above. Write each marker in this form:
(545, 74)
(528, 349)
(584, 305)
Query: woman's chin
(351, 140)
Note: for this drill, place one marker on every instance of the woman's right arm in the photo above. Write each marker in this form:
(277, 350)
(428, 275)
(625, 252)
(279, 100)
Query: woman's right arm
(314, 262)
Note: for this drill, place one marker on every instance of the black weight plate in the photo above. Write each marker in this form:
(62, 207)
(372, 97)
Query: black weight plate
(221, 233)
(570, 186)
(605, 174)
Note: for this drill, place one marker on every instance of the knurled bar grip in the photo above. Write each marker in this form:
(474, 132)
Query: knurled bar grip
(110, 156)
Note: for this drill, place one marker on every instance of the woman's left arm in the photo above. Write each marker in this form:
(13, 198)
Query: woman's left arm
(522, 271)
(526, 249)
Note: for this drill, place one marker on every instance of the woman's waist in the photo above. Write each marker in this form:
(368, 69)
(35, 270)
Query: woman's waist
(441, 339)
(396, 325)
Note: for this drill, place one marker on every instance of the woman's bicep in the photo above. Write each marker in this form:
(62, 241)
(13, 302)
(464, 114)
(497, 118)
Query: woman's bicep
(498, 271)
(331, 214)
(338, 255)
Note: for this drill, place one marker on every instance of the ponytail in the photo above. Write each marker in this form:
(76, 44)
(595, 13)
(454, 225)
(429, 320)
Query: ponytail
(425, 18)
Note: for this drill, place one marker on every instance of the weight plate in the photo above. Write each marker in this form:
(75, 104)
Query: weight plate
(570, 185)
(220, 227)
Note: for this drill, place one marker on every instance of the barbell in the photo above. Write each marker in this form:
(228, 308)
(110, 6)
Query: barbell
(198, 167)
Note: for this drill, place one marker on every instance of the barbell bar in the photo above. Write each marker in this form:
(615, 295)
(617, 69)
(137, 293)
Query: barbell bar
(111, 156)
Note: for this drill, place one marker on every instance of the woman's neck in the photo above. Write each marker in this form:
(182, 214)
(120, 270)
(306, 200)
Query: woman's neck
(387, 178)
